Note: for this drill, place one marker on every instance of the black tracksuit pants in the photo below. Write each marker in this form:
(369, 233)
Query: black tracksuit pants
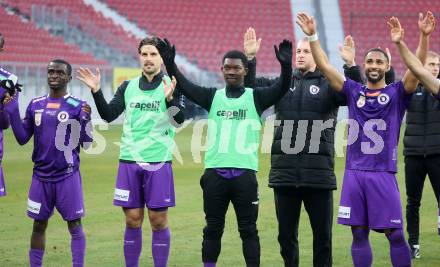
(416, 169)
(319, 206)
(242, 191)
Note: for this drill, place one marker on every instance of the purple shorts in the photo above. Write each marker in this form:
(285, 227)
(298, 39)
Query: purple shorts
(142, 184)
(371, 199)
(2, 183)
(438, 220)
(65, 195)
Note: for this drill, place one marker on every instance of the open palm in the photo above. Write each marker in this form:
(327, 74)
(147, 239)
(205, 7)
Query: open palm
(92, 80)
(396, 30)
(169, 88)
(426, 23)
(250, 43)
(306, 22)
(347, 51)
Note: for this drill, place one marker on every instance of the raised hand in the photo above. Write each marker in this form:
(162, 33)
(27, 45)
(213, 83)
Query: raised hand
(169, 88)
(306, 22)
(396, 30)
(251, 45)
(284, 53)
(426, 23)
(166, 51)
(347, 51)
(90, 79)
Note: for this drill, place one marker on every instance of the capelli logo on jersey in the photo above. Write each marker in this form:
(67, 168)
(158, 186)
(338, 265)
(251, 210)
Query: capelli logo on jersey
(232, 114)
(149, 106)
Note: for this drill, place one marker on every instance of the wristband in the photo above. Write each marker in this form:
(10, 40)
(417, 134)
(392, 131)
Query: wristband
(313, 38)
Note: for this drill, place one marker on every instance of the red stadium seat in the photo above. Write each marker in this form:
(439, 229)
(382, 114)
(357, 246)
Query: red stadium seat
(204, 32)
(369, 29)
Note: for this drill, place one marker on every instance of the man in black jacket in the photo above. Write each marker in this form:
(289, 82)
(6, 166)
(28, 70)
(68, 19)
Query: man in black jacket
(302, 163)
(421, 151)
(231, 110)
(421, 140)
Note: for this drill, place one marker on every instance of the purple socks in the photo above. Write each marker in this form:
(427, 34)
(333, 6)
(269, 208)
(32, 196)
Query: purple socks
(209, 264)
(360, 248)
(77, 246)
(36, 257)
(399, 249)
(132, 246)
(160, 247)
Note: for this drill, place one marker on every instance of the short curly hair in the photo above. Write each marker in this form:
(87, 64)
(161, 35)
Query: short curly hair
(152, 40)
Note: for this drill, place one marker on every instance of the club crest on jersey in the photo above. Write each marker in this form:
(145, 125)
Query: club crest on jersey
(361, 101)
(37, 117)
(63, 116)
(314, 89)
(383, 99)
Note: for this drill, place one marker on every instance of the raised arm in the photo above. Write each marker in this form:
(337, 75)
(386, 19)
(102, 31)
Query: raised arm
(348, 52)
(23, 130)
(108, 111)
(308, 26)
(413, 62)
(251, 46)
(265, 97)
(174, 103)
(202, 96)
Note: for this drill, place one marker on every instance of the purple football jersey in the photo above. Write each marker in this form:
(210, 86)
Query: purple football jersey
(376, 117)
(59, 127)
(4, 123)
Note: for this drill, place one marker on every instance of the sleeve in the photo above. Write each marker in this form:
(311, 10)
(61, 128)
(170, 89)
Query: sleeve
(438, 95)
(202, 96)
(111, 111)
(353, 73)
(175, 109)
(349, 91)
(4, 119)
(264, 97)
(250, 79)
(339, 99)
(23, 130)
(390, 76)
(404, 97)
(86, 135)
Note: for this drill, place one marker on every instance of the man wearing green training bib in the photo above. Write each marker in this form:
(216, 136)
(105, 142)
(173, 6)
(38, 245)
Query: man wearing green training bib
(231, 161)
(145, 176)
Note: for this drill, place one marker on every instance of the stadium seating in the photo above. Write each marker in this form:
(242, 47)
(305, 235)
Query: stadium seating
(203, 33)
(366, 21)
(88, 20)
(26, 43)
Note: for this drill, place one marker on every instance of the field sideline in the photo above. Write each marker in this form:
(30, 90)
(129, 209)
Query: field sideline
(104, 223)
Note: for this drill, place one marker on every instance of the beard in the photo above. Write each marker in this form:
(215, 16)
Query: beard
(374, 80)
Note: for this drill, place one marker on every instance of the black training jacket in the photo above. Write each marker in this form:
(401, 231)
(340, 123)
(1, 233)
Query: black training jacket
(302, 163)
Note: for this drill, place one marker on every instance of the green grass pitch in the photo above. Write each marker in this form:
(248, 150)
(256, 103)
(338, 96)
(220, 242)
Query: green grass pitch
(104, 223)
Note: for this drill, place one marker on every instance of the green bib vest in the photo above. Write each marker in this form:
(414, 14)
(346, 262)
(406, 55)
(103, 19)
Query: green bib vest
(233, 132)
(147, 134)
